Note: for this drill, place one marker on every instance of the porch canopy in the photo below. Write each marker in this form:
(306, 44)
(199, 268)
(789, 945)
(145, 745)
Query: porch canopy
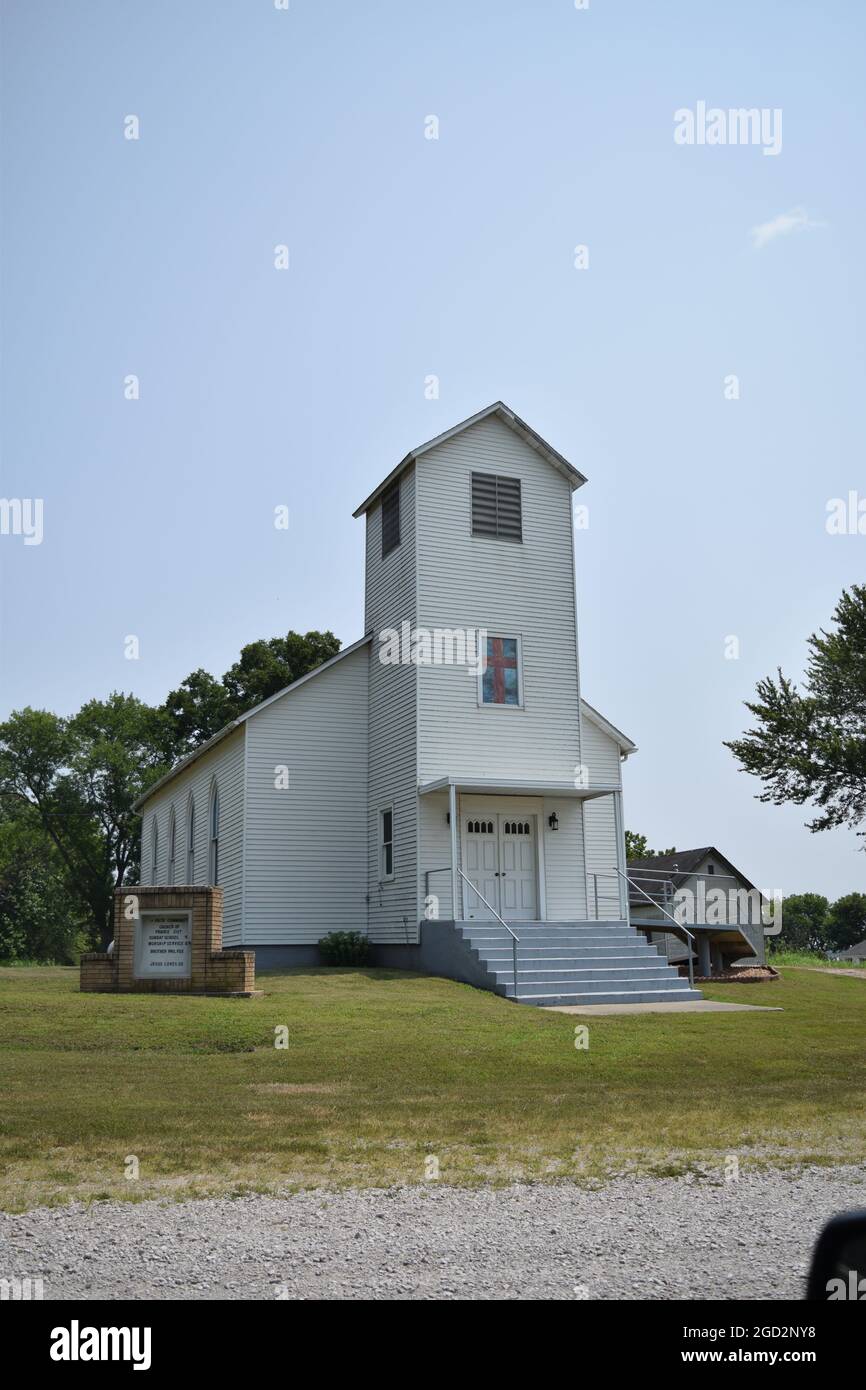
(497, 786)
(494, 786)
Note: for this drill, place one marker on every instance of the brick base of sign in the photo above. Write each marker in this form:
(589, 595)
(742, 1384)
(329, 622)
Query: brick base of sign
(177, 929)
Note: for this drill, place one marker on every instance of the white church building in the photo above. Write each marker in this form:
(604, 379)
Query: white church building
(440, 786)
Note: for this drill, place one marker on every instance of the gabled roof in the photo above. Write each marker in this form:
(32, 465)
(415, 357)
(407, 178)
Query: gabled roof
(625, 744)
(242, 719)
(678, 866)
(508, 417)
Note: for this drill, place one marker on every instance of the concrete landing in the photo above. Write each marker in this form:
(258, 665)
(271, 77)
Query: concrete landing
(688, 1006)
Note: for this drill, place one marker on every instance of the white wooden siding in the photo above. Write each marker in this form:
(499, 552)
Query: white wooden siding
(305, 856)
(601, 757)
(510, 588)
(225, 762)
(435, 851)
(564, 867)
(390, 601)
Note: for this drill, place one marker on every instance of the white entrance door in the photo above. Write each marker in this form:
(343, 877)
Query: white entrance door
(499, 861)
(481, 864)
(517, 876)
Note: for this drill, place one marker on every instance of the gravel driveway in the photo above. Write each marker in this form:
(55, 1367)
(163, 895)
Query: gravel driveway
(634, 1238)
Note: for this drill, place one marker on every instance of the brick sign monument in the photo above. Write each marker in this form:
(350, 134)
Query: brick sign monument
(169, 941)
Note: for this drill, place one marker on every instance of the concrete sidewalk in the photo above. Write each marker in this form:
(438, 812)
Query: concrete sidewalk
(688, 1006)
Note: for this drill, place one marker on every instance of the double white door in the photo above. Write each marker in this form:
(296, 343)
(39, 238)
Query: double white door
(499, 860)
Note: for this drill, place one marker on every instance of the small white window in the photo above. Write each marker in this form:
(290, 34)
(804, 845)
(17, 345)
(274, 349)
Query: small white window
(386, 843)
(190, 843)
(172, 844)
(154, 851)
(215, 835)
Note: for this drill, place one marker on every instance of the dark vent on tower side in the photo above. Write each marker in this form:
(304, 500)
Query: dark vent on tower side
(390, 518)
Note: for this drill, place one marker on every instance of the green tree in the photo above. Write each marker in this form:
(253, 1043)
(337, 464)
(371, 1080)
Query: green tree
(636, 847)
(202, 705)
(805, 923)
(846, 922)
(265, 667)
(197, 710)
(811, 745)
(80, 777)
(39, 917)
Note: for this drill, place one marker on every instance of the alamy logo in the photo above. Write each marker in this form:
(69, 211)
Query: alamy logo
(437, 646)
(737, 906)
(846, 516)
(21, 1289)
(77, 1343)
(737, 126)
(22, 516)
(852, 1289)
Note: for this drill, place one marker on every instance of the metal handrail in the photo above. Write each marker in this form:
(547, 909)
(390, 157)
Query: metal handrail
(595, 875)
(443, 869)
(679, 925)
(687, 873)
(665, 884)
(515, 939)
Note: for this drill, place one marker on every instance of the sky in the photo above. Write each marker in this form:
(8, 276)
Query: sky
(412, 257)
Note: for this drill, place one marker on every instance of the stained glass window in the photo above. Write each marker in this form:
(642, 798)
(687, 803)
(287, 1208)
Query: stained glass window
(500, 684)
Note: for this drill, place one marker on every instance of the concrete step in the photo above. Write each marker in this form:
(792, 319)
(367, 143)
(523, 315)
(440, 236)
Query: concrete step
(653, 980)
(481, 940)
(485, 927)
(547, 922)
(573, 962)
(630, 974)
(648, 996)
(616, 953)
(578, 960)
(491, 924)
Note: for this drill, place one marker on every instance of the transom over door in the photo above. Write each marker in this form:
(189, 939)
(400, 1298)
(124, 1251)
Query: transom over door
(499, 860)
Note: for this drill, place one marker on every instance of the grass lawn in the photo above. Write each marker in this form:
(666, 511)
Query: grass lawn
(812, 959)
(384, 1067)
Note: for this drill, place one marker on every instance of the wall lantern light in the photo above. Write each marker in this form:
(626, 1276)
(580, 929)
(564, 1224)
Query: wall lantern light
(553, 821)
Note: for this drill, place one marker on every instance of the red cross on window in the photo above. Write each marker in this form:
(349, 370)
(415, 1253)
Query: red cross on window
(500, 678)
